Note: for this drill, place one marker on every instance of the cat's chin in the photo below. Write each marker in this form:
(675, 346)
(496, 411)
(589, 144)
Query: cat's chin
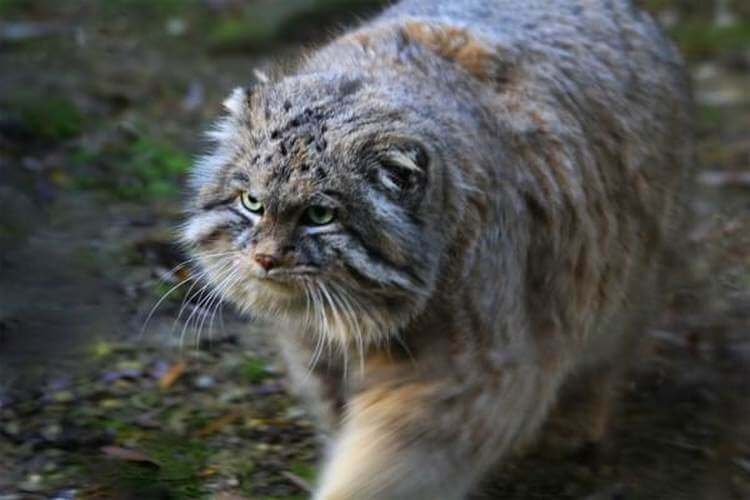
(275, 287)
(271, 295)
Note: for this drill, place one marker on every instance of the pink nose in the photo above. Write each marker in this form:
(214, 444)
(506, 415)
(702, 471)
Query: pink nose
(267, 262)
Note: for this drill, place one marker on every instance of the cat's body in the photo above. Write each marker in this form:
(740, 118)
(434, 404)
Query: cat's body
(492, 183)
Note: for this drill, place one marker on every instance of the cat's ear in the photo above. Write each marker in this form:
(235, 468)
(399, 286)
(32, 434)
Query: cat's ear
(237, 107)
(402, 171)
(238, 102)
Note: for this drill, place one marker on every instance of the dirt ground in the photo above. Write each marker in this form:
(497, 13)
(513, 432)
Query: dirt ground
(108, 391)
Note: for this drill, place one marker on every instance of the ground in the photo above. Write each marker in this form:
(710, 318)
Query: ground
(105, 394)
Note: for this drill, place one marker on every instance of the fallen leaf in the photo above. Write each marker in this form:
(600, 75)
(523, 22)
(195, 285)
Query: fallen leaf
(172, 375)
(129, 455)
(218, 424)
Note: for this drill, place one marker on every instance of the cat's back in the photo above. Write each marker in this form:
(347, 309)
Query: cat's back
(523, 21)
(553, 27)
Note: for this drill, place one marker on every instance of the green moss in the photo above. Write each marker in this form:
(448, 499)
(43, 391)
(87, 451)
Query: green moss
(48, 118)
(159, 7)
(711, 117)
(177, 475)
(180, 459)
(250, 31)
(141, 170)
(101, 349)
(700, 40)
(304, 470)
(263, 23)
(254, 370)
(8, 7)
(155, 163)
(98, 420)
(168, 291)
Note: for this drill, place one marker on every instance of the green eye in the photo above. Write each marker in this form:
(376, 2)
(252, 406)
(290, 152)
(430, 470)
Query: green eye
(251, 203)
(320, 216)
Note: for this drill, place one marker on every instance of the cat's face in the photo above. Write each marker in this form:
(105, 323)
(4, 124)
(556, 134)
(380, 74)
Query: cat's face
(318, 204)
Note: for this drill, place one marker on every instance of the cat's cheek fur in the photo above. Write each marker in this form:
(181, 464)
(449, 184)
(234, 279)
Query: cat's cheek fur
(201, 227)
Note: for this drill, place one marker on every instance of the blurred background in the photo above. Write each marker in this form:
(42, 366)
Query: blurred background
(120, 377)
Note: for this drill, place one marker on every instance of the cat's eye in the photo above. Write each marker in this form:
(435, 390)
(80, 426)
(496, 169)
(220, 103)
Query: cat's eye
(318, 215)
(251, 203)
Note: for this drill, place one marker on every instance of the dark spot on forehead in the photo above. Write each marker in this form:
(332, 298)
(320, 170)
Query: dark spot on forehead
(349, 87)
(241, 177)
(283, 172)
(287, 105)
(320, 173)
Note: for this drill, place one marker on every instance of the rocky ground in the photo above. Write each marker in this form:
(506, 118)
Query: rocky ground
(104, 395)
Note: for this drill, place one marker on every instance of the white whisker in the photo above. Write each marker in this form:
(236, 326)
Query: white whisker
(226, 268)
(177, 286)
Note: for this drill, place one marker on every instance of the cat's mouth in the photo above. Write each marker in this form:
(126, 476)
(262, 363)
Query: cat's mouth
(292, 273)
(287, 281)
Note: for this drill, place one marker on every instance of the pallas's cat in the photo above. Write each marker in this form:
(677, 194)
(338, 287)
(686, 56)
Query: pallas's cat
(449, 212)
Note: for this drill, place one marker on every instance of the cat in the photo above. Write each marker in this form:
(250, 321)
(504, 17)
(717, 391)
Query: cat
(448, 213)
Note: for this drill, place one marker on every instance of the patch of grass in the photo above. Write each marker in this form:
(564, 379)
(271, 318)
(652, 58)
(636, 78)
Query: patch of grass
(178, 474)
(50, 118)
(8, 7)
(254, 370)
(166, 289)
(711, 117)
(159, 7)
(101, 349)
(700, 40)
(263, 23)
(252, 30)
(181, 459)
(305, 471)
(143, 169)
(155, 167)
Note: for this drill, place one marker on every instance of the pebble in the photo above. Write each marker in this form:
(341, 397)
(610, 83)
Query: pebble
(32, 484)
(63, 397)
(204, 382)
(52, 432)
(12, 428)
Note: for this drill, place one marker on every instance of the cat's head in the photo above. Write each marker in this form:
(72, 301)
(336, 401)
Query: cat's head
(322, 201)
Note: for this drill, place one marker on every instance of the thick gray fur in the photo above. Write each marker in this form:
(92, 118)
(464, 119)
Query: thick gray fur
(507, 178)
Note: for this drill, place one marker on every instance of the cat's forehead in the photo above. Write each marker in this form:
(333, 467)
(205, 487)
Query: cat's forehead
(296, 148)
(296, 136)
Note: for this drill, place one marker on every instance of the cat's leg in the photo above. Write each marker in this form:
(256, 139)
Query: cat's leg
(583, 416)
(581, 420)
(433, 439)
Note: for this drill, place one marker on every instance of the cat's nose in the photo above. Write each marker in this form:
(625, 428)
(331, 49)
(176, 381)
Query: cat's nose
(266, 261)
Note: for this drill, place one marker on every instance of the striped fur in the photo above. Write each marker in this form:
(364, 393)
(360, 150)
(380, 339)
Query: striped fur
(506, 178)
